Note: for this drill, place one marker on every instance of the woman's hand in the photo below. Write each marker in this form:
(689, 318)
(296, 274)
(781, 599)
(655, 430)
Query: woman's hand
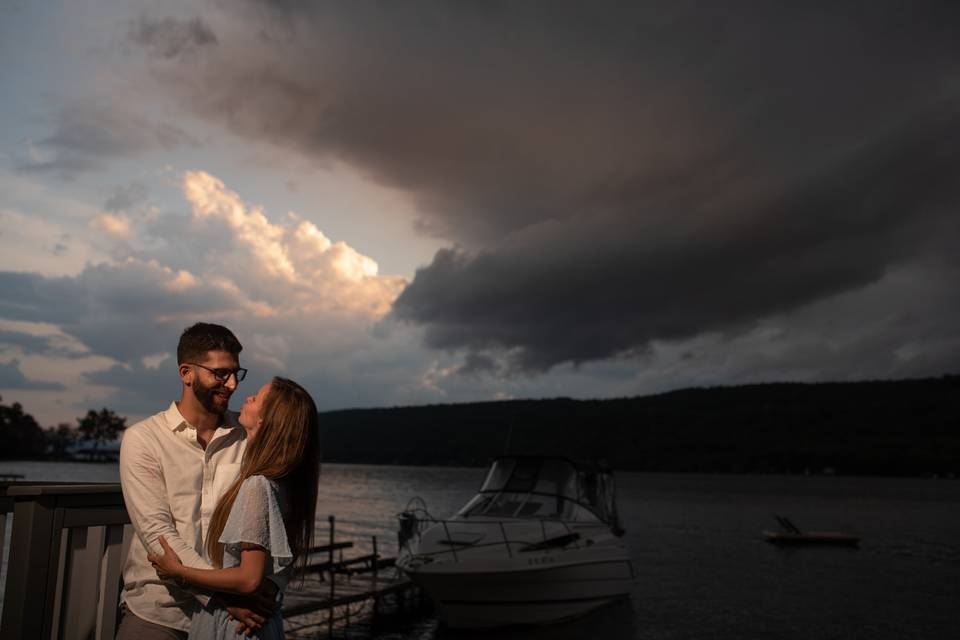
(167, 565)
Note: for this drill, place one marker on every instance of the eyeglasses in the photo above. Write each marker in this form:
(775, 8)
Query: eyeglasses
(222, 375)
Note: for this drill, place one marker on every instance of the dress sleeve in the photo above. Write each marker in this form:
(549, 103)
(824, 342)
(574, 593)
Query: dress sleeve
(257, 518)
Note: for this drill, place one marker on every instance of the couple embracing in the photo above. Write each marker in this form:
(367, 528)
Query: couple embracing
(223, 504)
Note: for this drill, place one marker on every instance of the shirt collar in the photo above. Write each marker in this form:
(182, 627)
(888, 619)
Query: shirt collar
(175, 420)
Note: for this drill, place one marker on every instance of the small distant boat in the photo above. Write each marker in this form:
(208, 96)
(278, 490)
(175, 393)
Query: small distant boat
(792, 535)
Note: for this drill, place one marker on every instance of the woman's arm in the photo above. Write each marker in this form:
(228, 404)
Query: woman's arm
(244, 579)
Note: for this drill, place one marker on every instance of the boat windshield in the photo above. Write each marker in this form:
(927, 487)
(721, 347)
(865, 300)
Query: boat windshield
(543, 488)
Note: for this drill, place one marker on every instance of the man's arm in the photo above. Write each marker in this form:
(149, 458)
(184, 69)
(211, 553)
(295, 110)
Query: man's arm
(141, 479)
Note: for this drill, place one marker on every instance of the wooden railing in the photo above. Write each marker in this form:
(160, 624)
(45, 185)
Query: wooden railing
(66, 552)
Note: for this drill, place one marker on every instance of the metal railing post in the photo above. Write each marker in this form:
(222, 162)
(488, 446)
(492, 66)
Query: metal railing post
(453, 547)
(503, 532)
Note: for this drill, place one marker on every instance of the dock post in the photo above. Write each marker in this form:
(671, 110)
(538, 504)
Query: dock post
(376, 567)
(333, 579)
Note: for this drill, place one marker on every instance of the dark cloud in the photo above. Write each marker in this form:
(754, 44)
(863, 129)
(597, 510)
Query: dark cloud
(37, 344)
(12, 378)
(585, 289)
(172, 38)
(613, 175)
(86, 135)
(478, 363)
(29, 343)
(140, 389)
(123, 311)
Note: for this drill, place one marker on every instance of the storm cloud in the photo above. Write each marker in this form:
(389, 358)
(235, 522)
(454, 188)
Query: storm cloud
(592, 288)
(610, 176)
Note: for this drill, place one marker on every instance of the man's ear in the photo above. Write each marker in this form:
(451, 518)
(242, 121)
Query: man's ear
(186, 374)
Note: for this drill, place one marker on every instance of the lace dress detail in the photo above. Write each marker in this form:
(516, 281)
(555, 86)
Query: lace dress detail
(256, 518)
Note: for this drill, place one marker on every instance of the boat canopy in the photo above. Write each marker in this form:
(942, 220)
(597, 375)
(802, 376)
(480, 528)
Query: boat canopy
(546, 487)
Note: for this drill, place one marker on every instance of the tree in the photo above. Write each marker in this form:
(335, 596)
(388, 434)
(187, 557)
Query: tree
(59, 439)
(100, 426)
(20, 435)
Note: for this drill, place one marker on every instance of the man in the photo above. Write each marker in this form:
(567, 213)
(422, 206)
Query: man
(173, 468)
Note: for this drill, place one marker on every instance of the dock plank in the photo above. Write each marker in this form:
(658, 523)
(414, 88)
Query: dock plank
(309, 611)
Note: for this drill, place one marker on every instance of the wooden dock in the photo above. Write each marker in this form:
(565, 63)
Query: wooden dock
(339, 591)
(67, 548)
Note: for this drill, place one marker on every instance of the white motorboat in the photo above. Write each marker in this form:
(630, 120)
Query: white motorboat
(540, 543)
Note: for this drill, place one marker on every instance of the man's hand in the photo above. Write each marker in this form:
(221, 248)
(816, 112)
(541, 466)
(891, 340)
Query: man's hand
(248, 620)
(252, 611)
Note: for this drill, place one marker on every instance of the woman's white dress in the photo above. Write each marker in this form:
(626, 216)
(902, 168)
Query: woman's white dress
(256, 518)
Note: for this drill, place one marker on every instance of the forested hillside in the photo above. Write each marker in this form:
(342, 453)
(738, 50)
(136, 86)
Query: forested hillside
(909, 427)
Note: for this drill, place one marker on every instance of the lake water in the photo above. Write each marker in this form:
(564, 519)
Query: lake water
(704, 570)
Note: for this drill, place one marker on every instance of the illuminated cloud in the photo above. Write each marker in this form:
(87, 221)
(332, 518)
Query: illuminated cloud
(300, 302)
(291, 262)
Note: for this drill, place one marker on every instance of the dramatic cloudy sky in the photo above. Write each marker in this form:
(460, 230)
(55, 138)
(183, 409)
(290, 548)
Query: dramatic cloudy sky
(414, 202)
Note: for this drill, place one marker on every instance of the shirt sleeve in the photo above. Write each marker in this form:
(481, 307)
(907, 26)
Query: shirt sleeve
(257, 518)
(145, 496)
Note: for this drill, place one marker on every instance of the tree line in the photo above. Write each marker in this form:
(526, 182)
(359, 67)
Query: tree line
(22, 437)
(905, 427)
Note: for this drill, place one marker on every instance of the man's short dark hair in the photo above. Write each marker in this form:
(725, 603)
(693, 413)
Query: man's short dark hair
(202, 337)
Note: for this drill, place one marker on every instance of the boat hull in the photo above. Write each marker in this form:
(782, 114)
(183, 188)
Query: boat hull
(522, 594)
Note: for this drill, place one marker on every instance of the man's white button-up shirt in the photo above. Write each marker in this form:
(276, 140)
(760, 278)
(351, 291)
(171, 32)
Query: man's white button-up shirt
(171, 486)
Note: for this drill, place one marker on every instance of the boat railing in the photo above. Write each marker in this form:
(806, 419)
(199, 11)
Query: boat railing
(67, 546)
(498, 525)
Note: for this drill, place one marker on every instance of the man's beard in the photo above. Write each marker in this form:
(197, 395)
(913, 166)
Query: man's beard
(207, 397)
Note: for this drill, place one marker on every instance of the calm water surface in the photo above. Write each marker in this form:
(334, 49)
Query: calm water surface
(704, 571)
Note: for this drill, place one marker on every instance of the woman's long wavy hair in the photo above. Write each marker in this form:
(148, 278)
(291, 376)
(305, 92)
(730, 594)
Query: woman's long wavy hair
(286, 449)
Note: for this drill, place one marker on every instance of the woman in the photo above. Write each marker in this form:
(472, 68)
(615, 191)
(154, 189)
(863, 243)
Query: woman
(265, 519)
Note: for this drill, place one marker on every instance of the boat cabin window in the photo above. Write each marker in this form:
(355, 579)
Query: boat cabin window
(554, 477)
(527, 505)
(557, 478)
(498, 475)
(542, 488)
